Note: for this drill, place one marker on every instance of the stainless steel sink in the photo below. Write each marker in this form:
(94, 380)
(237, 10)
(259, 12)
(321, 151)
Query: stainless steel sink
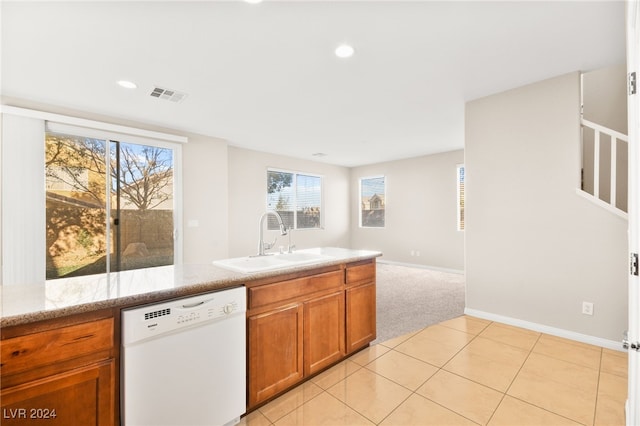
(252, 264)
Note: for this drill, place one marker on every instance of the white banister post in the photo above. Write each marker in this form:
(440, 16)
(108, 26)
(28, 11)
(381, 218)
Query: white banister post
(596, 163)
(581, 182)
(614, 143)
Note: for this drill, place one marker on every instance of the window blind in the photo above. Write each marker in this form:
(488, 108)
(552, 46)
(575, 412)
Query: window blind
(296, 197)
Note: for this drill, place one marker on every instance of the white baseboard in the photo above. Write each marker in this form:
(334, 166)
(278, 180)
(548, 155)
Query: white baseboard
(415, 265)
(559, 332)
(626, 412)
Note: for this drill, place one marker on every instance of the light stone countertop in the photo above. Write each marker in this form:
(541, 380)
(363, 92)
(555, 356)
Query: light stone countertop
(26, 303)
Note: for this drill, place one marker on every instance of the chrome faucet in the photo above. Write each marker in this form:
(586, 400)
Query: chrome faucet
(262, 246)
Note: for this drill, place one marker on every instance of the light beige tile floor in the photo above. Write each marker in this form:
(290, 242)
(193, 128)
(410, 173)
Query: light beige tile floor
(465, 371)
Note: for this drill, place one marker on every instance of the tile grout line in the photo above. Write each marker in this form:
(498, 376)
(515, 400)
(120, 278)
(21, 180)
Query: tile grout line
(449, 409)
(595, 406)
(434, 341)
(351, 408)
(599, 348)
(398, 406)
(449, 372)
(504, 394)
(294, 409)
(529, 402)
(453, 328)
(364, 366)
(323, 390)
(439, 368)
(412, 392)
(523, 363)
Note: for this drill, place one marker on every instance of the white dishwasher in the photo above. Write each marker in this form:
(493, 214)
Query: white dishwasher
(184, 361)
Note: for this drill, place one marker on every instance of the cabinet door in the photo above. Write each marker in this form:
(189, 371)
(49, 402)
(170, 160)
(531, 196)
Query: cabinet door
(323, 332)
(83, 396)
(275, 352)
(361, 315)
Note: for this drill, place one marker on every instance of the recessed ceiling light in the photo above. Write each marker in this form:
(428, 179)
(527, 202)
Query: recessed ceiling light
(127, 84)
(253, 1)
(344, 51)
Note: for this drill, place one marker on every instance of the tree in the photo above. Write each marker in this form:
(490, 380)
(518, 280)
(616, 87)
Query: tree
(142, 172)
(144, 175)
(70, 160)
(283, 203)
(277, 181)
(78, 170)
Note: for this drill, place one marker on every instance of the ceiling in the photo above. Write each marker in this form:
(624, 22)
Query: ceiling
(264, 76)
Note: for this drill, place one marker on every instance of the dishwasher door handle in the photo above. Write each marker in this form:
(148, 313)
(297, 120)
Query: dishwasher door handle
(193, 305)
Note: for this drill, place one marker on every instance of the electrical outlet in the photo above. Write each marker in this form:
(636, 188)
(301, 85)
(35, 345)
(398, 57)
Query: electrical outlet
(587, 308)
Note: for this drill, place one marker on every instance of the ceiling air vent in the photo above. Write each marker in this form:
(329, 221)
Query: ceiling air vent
(167, 94)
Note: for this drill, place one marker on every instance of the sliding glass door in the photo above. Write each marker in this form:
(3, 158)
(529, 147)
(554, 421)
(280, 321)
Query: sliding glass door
(109, 205)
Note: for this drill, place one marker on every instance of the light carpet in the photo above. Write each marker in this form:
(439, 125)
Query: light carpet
(410, 298)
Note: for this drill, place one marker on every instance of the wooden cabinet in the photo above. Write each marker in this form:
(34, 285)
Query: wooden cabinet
(294, 330)
(298, 326)
(81, 396)
(361, 305)
(275, 351)
(361, 316)
(323, 332)
(63, 373)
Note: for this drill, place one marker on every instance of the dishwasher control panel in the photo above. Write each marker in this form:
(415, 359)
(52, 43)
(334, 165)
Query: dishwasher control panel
(206, 313)
(150, 321)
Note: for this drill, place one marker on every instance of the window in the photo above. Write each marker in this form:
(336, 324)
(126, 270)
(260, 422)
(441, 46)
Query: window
(372, 202)
(460, 198)
(109, 205)
(297, 197)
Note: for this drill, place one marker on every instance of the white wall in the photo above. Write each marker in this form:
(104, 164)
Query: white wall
(1, 204)
(421, 211)
(534, 249)
(247, 201)
(605, 97)
(205, 199)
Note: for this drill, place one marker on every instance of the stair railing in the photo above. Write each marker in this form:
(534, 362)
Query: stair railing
(614, 137)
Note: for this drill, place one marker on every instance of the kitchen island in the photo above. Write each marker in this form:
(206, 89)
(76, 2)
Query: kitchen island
(61, 338)
(32, 302)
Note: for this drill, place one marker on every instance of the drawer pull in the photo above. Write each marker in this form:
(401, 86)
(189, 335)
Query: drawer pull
(81, 338)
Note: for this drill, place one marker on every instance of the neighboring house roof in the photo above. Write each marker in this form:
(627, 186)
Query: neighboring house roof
(376, 200)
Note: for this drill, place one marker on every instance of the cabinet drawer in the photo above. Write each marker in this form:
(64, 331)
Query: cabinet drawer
(82, 396)
(366, 272)
(60, 344)
(296, 288)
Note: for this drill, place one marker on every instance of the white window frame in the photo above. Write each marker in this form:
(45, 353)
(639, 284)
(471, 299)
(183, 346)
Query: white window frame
(294, 184)
(26, 158)
(112, 137)
(360, 201)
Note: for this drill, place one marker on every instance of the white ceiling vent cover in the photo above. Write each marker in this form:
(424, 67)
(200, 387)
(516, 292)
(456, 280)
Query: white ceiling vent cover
(167, 94)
